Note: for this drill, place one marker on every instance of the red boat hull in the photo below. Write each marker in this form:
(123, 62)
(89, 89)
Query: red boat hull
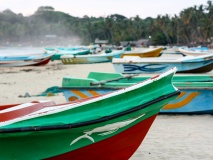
(119, 147)
(42, 63)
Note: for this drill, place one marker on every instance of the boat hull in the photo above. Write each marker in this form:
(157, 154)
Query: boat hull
(86, 60)
(191, 101)
(183, 67)
(82, 59)
(31, 62)
(194, 52)
(57, 55)
(80, 141)
(120, 146)
(143, 53)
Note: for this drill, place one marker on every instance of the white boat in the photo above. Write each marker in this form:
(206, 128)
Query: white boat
(25, 60)
(91, 58)
(196, 51)
(187, 64)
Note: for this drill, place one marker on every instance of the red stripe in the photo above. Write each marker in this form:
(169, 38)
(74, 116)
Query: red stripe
(33, 108)
(42, 62)
(2, 107)
(23, 111)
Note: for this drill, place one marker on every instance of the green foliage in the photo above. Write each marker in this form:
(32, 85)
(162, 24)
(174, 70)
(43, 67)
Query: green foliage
(159, 39)
(193, 25)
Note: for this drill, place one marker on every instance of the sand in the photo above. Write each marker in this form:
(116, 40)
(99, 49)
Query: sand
(171, 137)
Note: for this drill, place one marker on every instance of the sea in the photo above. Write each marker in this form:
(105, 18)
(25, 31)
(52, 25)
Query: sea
(8, 51)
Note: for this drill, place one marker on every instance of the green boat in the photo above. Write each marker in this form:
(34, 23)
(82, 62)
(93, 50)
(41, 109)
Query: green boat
(196, 90)
(108, 126)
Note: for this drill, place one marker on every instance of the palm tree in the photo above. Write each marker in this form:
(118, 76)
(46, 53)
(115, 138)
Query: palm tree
(163, 22)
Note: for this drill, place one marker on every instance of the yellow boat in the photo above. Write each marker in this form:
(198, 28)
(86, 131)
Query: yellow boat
(149, 52)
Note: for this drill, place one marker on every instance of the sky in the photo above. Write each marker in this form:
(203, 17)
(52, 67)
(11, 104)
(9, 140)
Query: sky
(97, 8)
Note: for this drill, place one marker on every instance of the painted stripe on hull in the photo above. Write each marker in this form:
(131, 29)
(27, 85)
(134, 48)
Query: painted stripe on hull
(121, 146)
(19, 112)
(92, 92)
(7, 106)
(182, 103)
(80, 94)
(75, 94)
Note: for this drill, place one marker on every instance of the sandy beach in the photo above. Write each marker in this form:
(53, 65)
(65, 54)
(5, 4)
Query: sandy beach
(171, 137)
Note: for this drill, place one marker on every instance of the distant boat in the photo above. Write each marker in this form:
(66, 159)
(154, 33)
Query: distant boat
(196, 90)
(172, 50)
(74, 48)
(91, 58)
(187, 64)
(148, 52)
(196, 51)
(21, 60)
(59, 53)
(108, 126)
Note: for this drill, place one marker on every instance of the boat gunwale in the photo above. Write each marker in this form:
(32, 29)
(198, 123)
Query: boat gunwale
(114, 53)
(120, 87)
(91, 122)
(92, 87)
(153, 61)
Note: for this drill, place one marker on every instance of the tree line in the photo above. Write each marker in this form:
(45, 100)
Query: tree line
(193, 26)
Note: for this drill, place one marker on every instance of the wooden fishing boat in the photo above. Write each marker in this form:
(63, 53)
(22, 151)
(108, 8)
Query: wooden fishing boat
(194, 51)
(108, 126)
(66, 48)
(28, 60)
(93, 58)
(149, 52)
(187, 64)
(196, 90)
(172, 50)
(59, 53)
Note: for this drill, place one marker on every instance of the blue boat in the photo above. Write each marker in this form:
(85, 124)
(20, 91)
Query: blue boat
(196, 90)
(187, 64)
(192, 100)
